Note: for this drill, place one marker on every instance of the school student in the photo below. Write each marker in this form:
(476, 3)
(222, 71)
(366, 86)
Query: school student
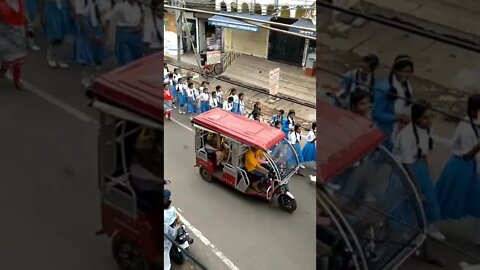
(361, 78)
(458, 186)
(393, 99)
(289, 124)
(128, 18)
(165, 71)
(233, 93)
(191, 104)
(214, 100)
(59, 26)
(219, 91)
(309, 151)
(90, 47)
(278, 117)
(181, 95)
(228, 104)
(360, 103)
(241, 104)
(204, 100)
(172, 84)
(411, 148)
(294, 138)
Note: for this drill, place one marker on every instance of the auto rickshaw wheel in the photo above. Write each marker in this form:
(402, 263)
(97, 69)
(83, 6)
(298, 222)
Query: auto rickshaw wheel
(206, 176)
(128, 255)
(177, 256)
(286, 203)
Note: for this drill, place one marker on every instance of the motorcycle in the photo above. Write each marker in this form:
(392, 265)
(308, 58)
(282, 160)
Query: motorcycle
(183, 239)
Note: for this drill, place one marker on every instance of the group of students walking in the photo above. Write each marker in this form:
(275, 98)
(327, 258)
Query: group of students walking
(84, 31)
(407, 122)
(181, 92)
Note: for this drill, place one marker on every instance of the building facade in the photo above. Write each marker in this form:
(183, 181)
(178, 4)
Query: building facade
(228, 34)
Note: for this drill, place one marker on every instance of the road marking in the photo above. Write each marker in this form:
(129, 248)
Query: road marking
(181, 124)
(55, 101)
(207, 242)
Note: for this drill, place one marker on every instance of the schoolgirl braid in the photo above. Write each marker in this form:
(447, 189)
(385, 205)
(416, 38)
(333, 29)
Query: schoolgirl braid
(418, 110)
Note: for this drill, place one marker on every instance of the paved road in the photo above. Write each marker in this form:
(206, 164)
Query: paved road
(250, 233)
(48, 192)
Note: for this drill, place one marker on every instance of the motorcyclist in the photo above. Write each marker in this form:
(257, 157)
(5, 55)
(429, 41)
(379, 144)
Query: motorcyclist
(168, 230)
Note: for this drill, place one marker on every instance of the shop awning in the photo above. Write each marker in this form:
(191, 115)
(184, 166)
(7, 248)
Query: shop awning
(307, 24)
(222, 21)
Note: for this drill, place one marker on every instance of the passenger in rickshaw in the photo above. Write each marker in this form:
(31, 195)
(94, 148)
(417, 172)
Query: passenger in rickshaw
(222, 150)
(256, 168)
(146, 173)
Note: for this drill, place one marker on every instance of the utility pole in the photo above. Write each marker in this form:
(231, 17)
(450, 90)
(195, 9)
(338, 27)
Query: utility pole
(179, 21)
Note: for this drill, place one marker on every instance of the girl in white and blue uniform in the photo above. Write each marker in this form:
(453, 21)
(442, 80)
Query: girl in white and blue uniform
(411, 149)
(277, 118)
(219, 91)
(165, 71)
(191, 100)
(294, 138)
(214, 100)
(90, 48)
(289, 124)
(128, 17)
(173, 88)
(204, 100)
(309, 151)
(392, 103)
(228, 104)
(458, 189)
(233, 93)
(241, 104)
(361, 78)
(59, 26)
(181, 95)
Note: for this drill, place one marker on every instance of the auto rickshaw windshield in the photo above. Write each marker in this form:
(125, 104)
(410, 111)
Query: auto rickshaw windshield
(285, 158)
(375, 194)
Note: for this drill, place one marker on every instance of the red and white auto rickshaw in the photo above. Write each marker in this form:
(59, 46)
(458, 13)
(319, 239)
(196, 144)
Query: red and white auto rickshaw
(370, 214)
(238, 134)
(129, 101)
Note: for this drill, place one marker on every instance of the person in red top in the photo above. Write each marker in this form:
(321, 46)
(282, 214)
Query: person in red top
(13, 41)
(167, 101)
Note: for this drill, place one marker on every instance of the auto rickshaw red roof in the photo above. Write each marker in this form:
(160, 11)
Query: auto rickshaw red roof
(344, 138)
(240, 128)
(136, 87)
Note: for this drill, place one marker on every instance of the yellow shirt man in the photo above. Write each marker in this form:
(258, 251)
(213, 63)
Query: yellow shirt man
(251, 160)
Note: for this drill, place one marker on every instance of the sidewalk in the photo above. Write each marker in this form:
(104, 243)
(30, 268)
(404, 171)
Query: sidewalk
(254, 71)
(444, 75)
(456, 18)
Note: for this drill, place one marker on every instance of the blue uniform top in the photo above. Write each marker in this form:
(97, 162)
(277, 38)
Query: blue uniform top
(383, 107)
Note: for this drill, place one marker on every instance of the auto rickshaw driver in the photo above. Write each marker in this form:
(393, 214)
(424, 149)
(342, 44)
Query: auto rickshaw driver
(255, 167)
